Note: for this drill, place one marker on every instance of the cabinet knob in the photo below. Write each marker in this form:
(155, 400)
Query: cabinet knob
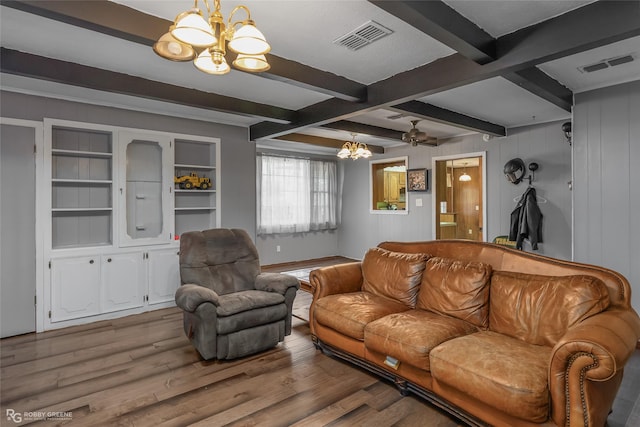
(90, 261)
(108, 259)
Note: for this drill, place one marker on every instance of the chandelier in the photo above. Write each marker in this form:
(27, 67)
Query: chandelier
(192, 37)
(354, 150)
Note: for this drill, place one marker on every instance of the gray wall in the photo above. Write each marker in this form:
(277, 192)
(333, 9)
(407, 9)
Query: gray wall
(606, 140)
(544, 144)
(238, 155)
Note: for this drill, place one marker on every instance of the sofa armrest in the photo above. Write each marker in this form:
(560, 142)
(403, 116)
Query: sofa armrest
(336, 279)
(276, 282)
(190, 296)
(586, 364)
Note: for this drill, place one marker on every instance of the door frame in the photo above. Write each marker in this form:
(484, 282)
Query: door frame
(483, 155)
(38, 129)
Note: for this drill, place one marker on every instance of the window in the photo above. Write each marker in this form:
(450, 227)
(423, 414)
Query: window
(296, 195)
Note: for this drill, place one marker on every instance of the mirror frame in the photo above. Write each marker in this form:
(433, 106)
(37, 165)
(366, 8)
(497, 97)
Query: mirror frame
(405, 211)
(483, 155)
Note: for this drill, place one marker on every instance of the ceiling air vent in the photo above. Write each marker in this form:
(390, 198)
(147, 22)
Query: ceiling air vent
(611, 62)
(362, 36)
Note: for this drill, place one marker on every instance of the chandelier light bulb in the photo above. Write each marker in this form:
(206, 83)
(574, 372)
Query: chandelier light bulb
(212, 62)
(193, 29)
(249, 40)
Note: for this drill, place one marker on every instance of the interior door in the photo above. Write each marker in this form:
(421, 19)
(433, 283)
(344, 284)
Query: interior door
(17, 230)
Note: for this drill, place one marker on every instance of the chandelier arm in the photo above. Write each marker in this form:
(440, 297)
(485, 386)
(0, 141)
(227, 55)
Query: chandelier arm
(232, 26)
(206, 5)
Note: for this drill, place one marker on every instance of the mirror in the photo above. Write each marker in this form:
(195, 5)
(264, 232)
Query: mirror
(389, 185)
(459, 202)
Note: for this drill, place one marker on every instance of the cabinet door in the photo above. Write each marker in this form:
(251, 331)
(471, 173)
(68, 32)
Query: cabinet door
(75, 288)
(145, 189)
(164, 275)
(123, 280)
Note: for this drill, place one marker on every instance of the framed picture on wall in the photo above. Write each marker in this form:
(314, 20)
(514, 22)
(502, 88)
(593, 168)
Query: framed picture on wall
(418, 179)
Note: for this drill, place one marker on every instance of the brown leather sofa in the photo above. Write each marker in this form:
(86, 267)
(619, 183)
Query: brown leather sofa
(493, 335)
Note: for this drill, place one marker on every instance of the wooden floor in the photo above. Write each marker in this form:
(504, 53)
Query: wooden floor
(142, 371)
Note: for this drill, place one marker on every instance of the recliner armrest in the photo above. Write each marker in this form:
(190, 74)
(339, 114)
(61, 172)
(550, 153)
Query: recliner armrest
(276, 282)
(190, 296)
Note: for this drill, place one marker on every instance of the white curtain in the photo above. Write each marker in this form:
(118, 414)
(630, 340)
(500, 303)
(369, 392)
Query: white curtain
(295, 195)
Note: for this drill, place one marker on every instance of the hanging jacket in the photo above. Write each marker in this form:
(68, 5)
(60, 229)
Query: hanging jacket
(526, 220)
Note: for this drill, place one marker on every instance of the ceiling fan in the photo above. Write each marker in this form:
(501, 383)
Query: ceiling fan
(416, 136)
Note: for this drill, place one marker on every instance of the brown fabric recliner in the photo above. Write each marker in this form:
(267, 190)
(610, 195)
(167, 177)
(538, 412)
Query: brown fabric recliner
(231, 309)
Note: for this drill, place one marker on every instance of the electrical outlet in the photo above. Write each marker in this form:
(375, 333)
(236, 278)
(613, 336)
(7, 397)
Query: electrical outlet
(277, 248)
(418, 202)
(470, 231)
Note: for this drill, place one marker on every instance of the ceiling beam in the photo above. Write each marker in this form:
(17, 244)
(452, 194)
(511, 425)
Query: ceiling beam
(364, 129)
(323, 142)
(28, 65)
(448, 117)
(444, 24)
(596, 24)
(123, 22)
(539, 83)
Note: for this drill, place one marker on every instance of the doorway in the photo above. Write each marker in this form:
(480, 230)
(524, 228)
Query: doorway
(459, 202)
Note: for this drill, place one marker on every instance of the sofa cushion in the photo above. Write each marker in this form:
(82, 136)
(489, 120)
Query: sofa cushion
(349, 313)
(456, 288)
(393, 274)
(409, 336)
(506, 373)
(540, 309)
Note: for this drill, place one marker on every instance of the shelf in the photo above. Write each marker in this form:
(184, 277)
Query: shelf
(82, 246)
(73, 153)
(204, 167)
(88, 210)
(195, 191)
(82, 181)
(202, 208)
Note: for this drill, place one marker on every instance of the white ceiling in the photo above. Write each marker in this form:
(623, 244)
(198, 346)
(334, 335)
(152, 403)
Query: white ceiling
(304, 31)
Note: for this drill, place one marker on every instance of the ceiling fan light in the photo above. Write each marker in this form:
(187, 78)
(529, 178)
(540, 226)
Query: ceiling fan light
(172, 49)
(191, 28)
(251, 63)
(249, 40)
(212, 63)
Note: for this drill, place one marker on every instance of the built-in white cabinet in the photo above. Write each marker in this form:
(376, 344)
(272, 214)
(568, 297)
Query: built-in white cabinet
(75, 287)
(116, 203)
(81, 187)
(196, 208)
(163, 275)
(123, 281)
(144, 187)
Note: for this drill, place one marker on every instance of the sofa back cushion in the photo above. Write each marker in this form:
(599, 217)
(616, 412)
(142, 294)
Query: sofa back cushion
(393, 275)
(456, 288)
(539, 309)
